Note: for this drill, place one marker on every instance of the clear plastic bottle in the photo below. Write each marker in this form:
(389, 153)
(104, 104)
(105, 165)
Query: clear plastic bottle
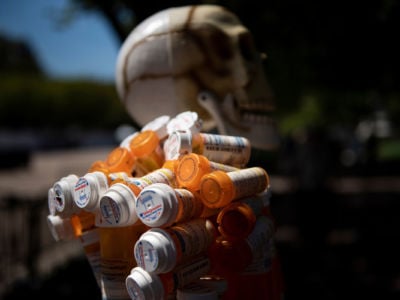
(160, 205)
(237, 219)
(147, 149)
(192, 167)
(116, 259)
(224, 149)
(219, 188)
(160, 250)
(144, 285)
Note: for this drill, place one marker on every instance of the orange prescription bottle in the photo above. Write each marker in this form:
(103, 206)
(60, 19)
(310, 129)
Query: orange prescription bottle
(159, 126)
(192, 167)
(146, 147)
(160, 205)
(88, 190)
(120, 159)
(144, 285)
(246, 264)
(225, 149)
(219, 188)
(237, 219)
(116, 259)
(160, 250)
(235, 255)
(117, 204)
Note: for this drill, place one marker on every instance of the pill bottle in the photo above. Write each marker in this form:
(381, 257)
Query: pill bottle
(88, 190)
(162, 175)
(225, 149)
(116, 258)
(127, 140)
(235, 255)
(246, 264)
(144, 285)
(160, 250)
(192, 167)
(61, 197)
(120, 159)
(238, 218)
(159, 126)
(160, 205)
(187, 120)
(148, 152)
(219, 188)
(99, 165)
(117, 206)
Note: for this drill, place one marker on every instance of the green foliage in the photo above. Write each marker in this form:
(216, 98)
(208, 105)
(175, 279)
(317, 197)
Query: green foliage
(37, 102)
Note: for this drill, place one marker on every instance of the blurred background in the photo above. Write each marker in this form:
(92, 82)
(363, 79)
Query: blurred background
(333, 67)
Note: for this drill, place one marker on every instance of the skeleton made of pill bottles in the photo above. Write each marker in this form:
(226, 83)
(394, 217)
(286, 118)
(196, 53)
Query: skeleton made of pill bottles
(199, 58)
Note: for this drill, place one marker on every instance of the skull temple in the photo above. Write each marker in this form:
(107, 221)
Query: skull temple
(199, 58)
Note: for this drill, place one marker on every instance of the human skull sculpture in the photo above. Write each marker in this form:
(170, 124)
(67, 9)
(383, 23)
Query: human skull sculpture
(198, 58)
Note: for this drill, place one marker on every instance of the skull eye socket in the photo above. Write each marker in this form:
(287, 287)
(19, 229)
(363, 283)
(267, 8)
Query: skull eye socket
(246, 46)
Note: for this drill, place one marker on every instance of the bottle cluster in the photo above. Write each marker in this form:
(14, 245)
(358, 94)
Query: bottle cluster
(173, 213)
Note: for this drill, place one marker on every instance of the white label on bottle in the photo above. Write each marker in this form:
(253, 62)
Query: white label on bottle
(193, 237)
(230, 150)
(162, 175)
(248, 182)
(114, 273)
(188, 272)
(148, 208)
(82, 192)
(146, 256)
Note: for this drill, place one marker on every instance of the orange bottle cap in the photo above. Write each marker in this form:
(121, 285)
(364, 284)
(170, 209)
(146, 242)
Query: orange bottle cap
(120, 159)
(190, 169)
(236, 220)
(216, 189)
(99, 165)
(144, 143)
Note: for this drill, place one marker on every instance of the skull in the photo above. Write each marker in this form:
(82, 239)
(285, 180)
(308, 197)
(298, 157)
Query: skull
(198, 58)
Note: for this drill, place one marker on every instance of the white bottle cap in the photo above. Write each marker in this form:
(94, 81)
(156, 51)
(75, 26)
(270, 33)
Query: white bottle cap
(196, 291)
(177, 144)
(155, 251)
(61, 228)
(117, 206)
(157, 205)
(159, 126)
(51, 201)
(187, 120)
(141, 285)
(89, 189)
(126, 141)
(63, 195)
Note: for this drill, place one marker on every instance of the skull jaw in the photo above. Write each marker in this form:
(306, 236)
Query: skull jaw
(261, 131)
